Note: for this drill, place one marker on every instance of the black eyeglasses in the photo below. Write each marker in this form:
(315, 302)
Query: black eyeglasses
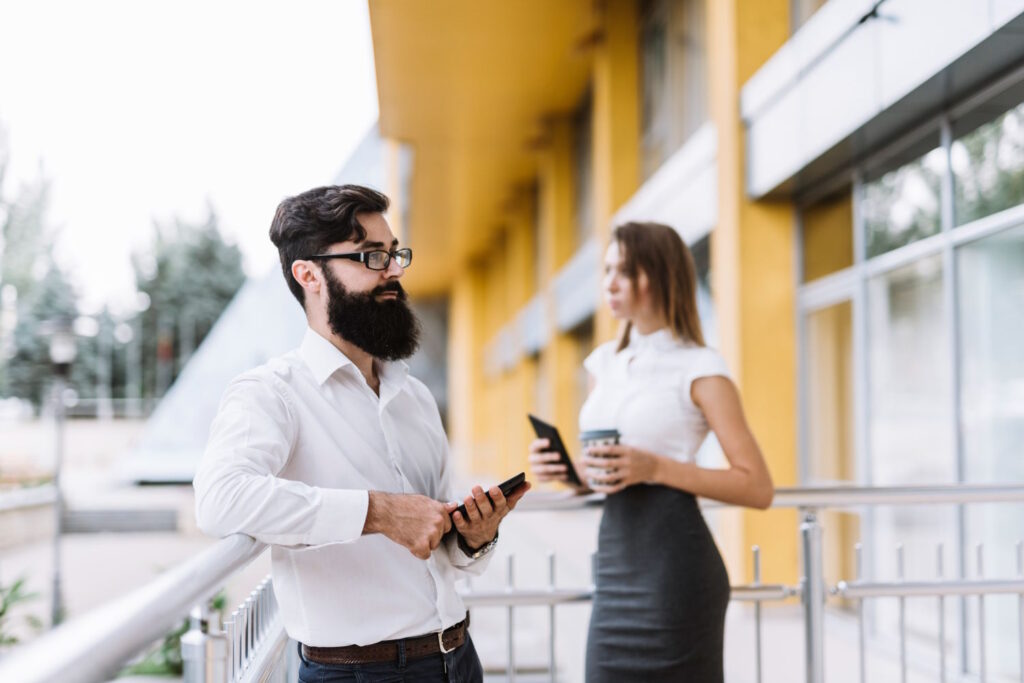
(374, 260)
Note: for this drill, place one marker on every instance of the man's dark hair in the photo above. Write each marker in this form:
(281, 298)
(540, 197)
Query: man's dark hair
(306, 224)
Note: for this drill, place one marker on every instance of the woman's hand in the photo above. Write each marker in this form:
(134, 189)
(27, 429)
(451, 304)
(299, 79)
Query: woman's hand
(612, 468)
(547, 466)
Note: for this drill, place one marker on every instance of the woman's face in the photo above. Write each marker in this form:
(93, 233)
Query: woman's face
(624, 300)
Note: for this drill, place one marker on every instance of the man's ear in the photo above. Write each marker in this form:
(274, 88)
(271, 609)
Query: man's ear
(308, 276)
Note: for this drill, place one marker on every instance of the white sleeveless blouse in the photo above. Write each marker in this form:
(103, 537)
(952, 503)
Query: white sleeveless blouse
(644, 392)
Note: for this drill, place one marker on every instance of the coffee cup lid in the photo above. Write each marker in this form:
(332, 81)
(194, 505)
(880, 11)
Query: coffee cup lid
(594, 434)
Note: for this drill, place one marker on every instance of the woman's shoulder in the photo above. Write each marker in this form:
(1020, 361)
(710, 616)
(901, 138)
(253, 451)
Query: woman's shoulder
(597, 362)
(703, 361)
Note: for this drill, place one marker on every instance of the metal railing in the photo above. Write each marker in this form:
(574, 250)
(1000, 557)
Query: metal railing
(252, 645)
(94, 647)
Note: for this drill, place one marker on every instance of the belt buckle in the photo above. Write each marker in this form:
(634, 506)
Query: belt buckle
(440, 643)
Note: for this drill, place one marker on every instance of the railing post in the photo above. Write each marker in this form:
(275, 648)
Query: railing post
(813, 583)
(204, 649)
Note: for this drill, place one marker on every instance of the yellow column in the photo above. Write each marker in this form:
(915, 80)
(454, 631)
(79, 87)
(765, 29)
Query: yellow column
(752, 272)
(465, 367)
(521, 278)
(616, 127)
(557, 363)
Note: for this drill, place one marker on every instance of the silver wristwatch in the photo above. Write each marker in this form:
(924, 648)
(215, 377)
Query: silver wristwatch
(479, 552)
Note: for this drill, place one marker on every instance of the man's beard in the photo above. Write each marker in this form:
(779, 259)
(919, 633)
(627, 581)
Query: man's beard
(385, 329)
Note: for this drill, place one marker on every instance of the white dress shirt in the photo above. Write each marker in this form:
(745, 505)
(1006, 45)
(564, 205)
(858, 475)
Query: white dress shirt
(644, 392)
(296, 446)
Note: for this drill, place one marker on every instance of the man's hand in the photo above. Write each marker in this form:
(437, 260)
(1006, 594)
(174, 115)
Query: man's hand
(413, 521)
(483, 515)
(613, 468)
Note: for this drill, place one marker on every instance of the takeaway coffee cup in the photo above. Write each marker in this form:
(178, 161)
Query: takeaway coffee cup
(599, 437)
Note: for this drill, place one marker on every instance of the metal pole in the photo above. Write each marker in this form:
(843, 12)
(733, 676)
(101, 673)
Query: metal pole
(940, 574)
(813, 596)
(511, 623)
(757, 617)
(903, 616)
(861, 636)
(57, 604)
(104, 371)
(204, 649)
(551, 618)
(134, 371)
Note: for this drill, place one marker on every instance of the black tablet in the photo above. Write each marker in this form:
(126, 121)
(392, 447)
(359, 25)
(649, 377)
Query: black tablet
(507, 488)
(550, 432)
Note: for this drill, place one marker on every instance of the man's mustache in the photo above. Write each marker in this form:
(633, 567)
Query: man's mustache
(395, 287)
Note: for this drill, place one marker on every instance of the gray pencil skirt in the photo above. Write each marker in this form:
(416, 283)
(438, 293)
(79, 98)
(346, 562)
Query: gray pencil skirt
(661, 591)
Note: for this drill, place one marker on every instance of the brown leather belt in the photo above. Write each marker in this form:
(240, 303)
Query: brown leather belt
(387, 650)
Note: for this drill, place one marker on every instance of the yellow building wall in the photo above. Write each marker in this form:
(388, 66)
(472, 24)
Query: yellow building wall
(752, 281)
(752, 272)
(521, 278)
(557, 237)
(827, 236)
(616, 129)
(466, 339)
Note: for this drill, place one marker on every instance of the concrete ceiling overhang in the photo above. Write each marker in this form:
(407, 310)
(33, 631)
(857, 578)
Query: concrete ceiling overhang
(468, 85)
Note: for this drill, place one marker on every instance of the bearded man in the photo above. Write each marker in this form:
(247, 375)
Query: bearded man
(334, 456)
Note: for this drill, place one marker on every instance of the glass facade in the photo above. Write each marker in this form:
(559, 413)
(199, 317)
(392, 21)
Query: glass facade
(988, 167)
(673, 77)
(802, 10)
(991, 331)
(935, 331)
(902, 205)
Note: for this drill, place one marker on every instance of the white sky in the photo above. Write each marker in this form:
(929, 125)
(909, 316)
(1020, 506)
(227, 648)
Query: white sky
(143, 110)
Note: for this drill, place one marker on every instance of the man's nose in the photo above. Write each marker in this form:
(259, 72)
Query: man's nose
(394, 269)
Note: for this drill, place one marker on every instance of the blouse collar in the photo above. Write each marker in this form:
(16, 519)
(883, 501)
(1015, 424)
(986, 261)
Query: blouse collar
(659, 340)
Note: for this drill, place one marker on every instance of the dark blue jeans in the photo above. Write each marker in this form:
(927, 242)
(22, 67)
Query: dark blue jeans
(462, 665)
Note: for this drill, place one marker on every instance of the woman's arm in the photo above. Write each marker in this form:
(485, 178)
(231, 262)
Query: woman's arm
(745, 482)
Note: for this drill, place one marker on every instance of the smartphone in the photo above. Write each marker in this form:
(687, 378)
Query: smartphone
(507, 488)
(550, 432)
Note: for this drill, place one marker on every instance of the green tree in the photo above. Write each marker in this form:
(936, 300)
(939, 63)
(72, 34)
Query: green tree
(190, 273)
(42, 288)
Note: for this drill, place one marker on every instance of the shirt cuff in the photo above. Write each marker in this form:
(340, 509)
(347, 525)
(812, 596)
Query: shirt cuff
(463, 562)
(341, 517)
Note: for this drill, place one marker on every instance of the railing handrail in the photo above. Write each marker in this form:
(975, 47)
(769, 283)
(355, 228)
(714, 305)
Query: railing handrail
(95, 646)
(821, 497)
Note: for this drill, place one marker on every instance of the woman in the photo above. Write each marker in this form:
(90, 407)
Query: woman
(661, 587)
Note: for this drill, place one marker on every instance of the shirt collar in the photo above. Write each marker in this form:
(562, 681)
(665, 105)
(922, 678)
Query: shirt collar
(324, 359)
(321, 356)
(659, 340)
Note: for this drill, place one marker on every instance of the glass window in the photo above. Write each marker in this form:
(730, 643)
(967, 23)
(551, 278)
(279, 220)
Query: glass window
(902, 205)
(802, 10)
(674, 80)
(991, 315)
(909, 375)
(827, 235)
(988, 167)
(909, 414)
(828, 424)
(829, 419)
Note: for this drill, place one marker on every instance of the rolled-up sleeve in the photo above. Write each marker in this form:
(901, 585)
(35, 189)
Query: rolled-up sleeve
(237, 488)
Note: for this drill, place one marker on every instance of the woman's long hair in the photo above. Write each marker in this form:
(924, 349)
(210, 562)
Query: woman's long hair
(661, 254)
